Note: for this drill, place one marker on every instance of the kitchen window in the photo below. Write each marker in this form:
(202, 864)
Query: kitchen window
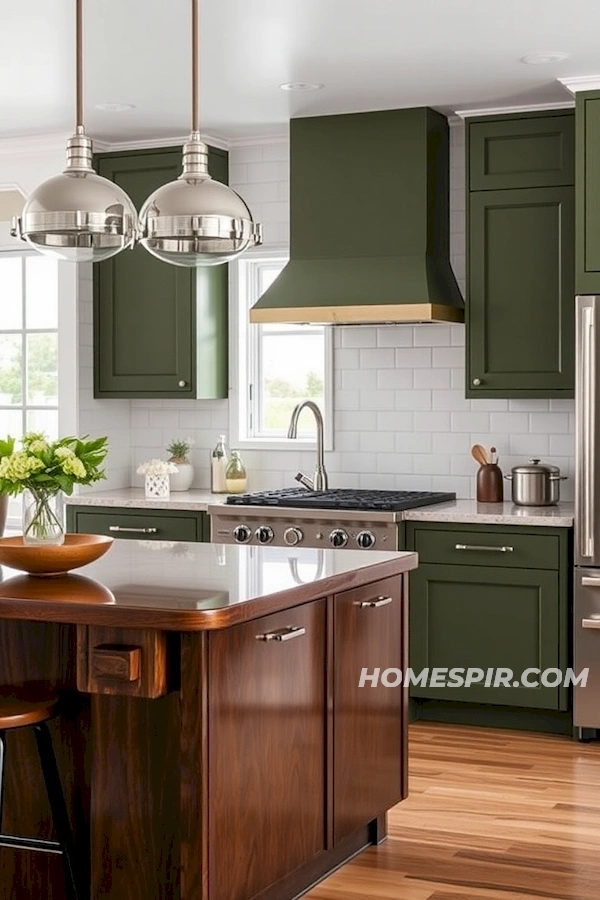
(31, 384)
(276, 366)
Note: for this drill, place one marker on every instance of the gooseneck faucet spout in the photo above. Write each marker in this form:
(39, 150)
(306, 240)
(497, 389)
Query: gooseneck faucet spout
(320, 481)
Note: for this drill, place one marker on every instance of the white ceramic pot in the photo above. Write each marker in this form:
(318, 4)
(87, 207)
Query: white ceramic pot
(182, 480)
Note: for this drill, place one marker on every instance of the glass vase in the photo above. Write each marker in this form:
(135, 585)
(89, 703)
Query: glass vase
(42, 523)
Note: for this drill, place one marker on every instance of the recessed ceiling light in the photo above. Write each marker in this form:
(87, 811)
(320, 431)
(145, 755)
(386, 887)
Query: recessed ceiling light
(543, 59)
(115, 107)
(301, 86)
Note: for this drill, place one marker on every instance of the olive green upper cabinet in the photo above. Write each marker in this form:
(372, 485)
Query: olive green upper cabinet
(159, 330)
(521, 245)
(587, 277)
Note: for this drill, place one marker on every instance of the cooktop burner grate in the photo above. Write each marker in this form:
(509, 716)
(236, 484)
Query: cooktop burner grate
(341, 498)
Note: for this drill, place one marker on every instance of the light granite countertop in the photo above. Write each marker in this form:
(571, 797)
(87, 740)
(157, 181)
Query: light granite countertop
(134, 498)
(459, 511)
(471, 512)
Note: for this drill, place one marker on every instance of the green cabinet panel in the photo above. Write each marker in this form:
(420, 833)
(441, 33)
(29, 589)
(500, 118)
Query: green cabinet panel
(139, 524)
(587, 277)
(159, 330)
(510, 548)
(521, 294)
(480, 609)
(484, 617)
(536, 150)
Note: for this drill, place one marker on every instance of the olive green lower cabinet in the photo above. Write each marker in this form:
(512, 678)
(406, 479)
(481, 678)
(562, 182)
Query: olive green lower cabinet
(490, 597)
(139, 524)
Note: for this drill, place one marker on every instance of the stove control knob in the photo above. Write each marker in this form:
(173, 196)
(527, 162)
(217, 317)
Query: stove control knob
(242, 534)
(365, 539)
(264, 534)
(292, 536)
(338, 538)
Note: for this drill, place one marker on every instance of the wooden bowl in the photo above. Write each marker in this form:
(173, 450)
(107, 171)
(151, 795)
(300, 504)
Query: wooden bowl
(77, 550)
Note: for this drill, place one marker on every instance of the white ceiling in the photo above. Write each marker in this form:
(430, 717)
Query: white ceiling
(370, 54)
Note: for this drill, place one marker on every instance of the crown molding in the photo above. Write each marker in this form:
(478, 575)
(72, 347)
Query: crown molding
(282, 137)
(500, 110)
(35, 144)
(581, 83)
(56, 141)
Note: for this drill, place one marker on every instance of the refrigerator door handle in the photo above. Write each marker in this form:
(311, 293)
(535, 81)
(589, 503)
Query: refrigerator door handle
(593, 622)
(590, 582)
(586, 414)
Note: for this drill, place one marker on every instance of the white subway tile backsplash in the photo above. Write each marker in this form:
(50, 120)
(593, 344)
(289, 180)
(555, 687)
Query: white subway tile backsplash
(395, 421)
(448, 357)
(549, 422)
(562, 445)
(413, 442)
(432, 336)
(470, 421)
(376, 400)
(358, 336)
(413, 399)
(395, 336)
(413, 357)
(432, 378)
(400, 379)
(509, 423)
(377, 358)
(432, 421)
(380, 441)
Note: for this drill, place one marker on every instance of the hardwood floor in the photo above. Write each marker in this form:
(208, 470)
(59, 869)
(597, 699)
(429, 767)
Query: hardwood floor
(490, 814)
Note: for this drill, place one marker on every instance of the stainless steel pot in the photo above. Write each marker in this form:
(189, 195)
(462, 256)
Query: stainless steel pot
(536, 484)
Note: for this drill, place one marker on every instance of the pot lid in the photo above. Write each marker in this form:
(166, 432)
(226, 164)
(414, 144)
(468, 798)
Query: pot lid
(535, 467)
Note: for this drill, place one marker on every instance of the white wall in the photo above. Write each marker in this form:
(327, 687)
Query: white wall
(401, 420)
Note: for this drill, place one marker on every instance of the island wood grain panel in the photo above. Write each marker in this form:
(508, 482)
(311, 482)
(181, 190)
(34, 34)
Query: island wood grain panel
(267, 756)
(491, 815)
(368, 760)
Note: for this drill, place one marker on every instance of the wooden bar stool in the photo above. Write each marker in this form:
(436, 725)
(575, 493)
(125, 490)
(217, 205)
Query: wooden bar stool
(21, 708)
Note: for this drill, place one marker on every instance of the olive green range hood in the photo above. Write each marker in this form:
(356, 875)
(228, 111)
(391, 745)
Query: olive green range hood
(369, 226)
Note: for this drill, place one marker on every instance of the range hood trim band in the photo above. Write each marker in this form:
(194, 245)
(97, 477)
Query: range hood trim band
(384, 313)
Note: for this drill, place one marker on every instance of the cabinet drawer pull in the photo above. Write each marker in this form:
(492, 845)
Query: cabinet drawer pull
(282, 634)
(117, 662)
(592, 622)
(133, 530)
(488, 549)
(381, 601)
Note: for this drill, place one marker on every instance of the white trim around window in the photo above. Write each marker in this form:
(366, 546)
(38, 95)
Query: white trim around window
(245, 359)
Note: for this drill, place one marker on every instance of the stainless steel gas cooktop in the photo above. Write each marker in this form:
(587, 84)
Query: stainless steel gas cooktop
(341, 498)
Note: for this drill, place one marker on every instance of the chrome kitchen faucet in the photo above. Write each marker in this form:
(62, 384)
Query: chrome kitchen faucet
(319, 481)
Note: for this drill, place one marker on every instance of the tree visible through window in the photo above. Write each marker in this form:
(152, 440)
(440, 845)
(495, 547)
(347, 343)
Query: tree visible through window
(28, 345)
(280, 365)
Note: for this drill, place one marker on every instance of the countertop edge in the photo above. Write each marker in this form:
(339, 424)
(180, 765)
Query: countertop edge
(73, 613)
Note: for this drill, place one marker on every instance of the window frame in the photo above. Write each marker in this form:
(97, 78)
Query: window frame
(68, 351)
(245, 363)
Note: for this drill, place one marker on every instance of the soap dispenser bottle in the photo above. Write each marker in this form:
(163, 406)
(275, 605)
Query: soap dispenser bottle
(218, 468)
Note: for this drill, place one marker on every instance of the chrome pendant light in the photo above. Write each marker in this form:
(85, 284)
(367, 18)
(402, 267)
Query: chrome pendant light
(196, 221)
(78, 216)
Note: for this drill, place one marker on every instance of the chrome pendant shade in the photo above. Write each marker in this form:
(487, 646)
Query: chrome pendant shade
(196, 221)
(78, 216)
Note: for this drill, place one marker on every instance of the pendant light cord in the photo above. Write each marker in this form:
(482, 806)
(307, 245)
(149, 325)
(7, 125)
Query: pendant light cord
(195, 67)
(79, 64)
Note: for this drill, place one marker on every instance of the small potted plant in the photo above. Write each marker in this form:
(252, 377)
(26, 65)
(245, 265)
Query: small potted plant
(179, 450)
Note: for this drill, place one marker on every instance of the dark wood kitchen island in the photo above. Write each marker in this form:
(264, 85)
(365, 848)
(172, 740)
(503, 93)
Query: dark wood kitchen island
(213, 741)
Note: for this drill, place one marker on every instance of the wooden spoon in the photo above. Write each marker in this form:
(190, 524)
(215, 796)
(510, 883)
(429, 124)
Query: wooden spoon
(479, 454)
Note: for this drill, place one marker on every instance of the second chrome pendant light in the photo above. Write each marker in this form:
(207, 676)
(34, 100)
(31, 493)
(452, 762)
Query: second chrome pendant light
(195, 221)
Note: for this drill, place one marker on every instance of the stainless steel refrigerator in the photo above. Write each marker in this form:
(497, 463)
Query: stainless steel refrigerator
(586, 710)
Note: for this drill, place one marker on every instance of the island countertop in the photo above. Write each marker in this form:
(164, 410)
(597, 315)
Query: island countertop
(178, 586)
